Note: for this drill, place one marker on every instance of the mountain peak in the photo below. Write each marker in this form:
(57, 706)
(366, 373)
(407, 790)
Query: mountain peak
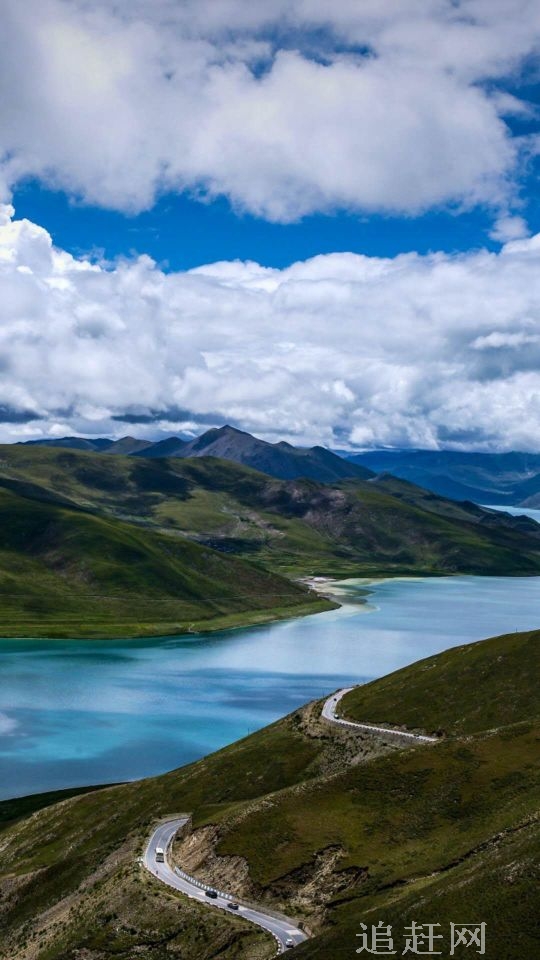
(227, 430)
(281, 460)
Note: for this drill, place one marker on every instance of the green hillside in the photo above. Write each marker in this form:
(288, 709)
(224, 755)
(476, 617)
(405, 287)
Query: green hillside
(297, 527)
(68, 573)
(334, 826)
(436, 694)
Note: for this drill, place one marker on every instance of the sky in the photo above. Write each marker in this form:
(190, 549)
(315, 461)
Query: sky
(315, 220)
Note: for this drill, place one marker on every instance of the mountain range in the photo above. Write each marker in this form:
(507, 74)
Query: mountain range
(138, 543)
(99, 545)
(506, 479)
(227, 443)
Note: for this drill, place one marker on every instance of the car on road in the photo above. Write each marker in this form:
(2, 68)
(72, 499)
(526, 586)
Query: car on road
(289, 942)
(211, 893)
(232, 905)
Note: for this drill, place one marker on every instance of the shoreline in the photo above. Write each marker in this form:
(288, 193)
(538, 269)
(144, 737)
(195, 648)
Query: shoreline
(332, 584)
(194, 629)
(362, 606)
(330, 595)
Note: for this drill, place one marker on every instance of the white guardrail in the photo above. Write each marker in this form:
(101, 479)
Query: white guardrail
(227, 896)
(201, 885)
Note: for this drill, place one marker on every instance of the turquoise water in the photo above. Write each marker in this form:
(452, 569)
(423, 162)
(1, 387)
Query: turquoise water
(517, 511)
(74, 712)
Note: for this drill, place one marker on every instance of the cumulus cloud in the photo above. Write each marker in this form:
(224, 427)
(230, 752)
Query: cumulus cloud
(286, 107)
(342, 349)
(509, 228)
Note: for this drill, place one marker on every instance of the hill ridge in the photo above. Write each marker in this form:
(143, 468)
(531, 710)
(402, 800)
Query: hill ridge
(281, 459)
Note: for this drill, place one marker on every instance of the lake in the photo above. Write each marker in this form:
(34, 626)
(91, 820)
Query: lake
(516, 511)
(81, 712)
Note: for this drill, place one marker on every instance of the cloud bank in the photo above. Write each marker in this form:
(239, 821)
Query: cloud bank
(286, 107)
(342, 349)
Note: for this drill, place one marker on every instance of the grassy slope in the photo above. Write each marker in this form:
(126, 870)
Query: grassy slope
(295, 526)
(64, 572)
(437, 694)
(497, 885)
(433, 833)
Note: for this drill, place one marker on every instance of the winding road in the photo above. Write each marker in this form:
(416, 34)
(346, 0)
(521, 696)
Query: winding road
(329, 713)
(283, 930)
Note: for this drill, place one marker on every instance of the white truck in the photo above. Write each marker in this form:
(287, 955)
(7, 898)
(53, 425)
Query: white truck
(160, 855)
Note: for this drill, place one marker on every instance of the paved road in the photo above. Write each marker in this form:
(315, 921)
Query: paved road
(329, 713)
(281, 929)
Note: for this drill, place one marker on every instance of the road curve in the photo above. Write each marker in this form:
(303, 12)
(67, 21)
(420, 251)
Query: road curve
(281, 929)
(329, 713)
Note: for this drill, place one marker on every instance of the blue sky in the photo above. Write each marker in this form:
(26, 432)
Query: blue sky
(169, 161)
(180, 232)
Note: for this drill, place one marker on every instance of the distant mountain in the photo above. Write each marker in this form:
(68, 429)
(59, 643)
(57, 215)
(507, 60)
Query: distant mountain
(505, 479)
(126, 445)
(528, 492)
(511, 479)
(280, 460)
(171, 447)
(100, 444)
(299, 527)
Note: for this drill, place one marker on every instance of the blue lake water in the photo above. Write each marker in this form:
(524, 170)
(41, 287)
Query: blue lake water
(81, 712)
(517, 511)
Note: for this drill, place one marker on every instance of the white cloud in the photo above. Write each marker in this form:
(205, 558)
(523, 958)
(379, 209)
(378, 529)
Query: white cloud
(390, 109)
(415, 350)
(509, 228)
(495, 341)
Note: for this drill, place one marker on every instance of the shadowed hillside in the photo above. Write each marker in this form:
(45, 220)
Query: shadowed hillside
(65, 572)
